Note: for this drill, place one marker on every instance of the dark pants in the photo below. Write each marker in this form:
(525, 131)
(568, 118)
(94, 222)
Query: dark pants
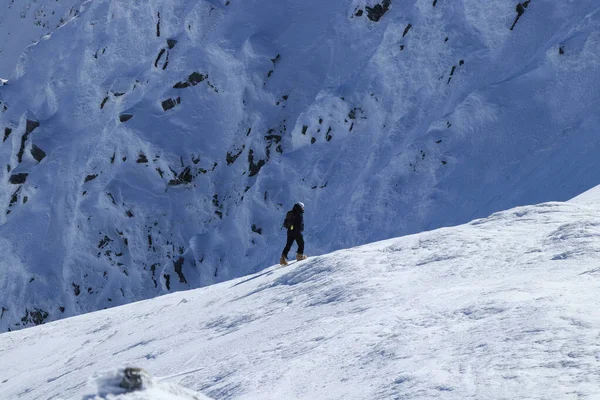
(291, 236)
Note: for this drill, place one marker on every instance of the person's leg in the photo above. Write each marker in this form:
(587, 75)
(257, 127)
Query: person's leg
(288, 245)
(300, 241)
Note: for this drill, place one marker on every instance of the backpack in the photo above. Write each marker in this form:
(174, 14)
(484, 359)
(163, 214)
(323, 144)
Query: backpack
(288, 222)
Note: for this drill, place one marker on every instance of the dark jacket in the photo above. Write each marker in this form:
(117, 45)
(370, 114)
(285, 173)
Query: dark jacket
(298, 221)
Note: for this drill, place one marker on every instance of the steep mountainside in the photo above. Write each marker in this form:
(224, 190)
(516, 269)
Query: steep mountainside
(155, 146)
(23, 22)
(504, 307)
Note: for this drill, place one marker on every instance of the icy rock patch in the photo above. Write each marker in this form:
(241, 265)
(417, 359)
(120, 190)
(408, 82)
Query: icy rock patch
(132, 383)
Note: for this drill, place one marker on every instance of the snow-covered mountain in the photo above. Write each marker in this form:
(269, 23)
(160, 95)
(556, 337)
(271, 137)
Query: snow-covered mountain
(155, 146)
(23, 22)
(504, 307)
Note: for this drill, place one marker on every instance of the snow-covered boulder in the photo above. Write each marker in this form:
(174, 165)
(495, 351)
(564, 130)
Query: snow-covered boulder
(132, 383)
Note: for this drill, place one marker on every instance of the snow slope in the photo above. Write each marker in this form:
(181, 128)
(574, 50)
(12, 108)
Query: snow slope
(155, 146)
(504, 307)
(23, 22)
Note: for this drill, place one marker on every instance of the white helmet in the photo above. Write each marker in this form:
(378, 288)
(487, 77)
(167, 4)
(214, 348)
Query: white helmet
(301, 204)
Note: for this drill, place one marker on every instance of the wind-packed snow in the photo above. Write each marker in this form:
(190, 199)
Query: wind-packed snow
(504, 307)
(154, 146)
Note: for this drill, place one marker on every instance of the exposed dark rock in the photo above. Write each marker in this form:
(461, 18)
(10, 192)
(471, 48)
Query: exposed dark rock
(304, 129)
(452, 73)
(25, 199)
(7, 132)
(178, 269)
(15, 197)
(256, 229)
(104, 241)
(328, 137)
(142, 159)
(170, 103)
(76, 289)
(273, 138)
(103, 102)
(90, 178)
(520, 11)
(110, 196)
(313, 140)
(407, 29)
(171, 43)
(18, 179)
(3, 311)
(167, 281)
(277, 57)
(118, 94)
(125, 117)
(158, 25)
(31, 126)
(160, 54)
(181, 85)
(435, 2)
(129, 213)
(561, 51)
(194, 79)
(231, 157)
(36, 316)
(375, 13)
(184, 177)
(166, 62)
(254, 168)
(62, 309)
(37, 153)
(359, 13)
(134, 379)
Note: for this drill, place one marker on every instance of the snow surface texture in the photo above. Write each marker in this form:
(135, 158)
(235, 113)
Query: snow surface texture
(155, 146)
(501, 308)
(23, 22)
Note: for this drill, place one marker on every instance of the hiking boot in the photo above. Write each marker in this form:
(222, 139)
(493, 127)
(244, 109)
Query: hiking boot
(283, 261)
(300, 257)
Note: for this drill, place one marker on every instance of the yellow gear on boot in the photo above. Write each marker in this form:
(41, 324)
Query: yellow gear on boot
(300, 257)
(283, 261)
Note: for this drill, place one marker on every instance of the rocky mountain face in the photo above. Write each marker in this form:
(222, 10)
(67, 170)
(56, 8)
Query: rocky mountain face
(153, 146)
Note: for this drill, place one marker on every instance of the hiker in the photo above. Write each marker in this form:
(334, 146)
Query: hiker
(294, 222)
